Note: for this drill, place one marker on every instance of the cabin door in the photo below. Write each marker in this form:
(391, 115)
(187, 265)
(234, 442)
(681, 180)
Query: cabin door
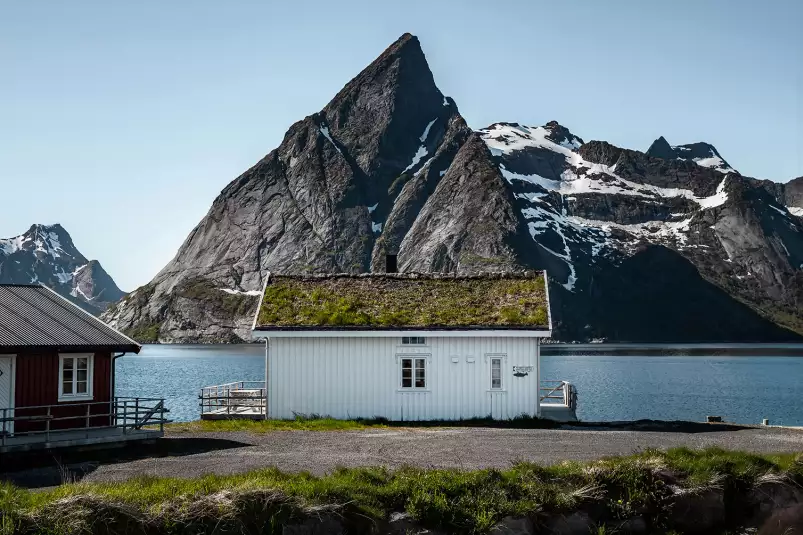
(6, 393)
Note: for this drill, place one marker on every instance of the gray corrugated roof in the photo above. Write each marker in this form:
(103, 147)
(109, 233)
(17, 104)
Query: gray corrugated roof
(36, 316)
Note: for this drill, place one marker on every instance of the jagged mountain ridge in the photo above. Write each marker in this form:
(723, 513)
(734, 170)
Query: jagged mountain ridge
(389, 166)
(46, 254)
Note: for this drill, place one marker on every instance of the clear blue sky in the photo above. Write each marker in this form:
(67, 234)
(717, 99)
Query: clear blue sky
(124, 120)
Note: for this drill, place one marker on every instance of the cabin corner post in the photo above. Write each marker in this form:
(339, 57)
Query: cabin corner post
(537, 377)
(267, 376)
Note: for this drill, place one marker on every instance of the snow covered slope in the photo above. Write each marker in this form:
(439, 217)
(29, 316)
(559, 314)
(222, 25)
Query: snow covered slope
(45, 254)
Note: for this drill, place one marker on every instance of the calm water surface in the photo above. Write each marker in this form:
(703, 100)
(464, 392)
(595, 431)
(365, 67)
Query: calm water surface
(741, 389)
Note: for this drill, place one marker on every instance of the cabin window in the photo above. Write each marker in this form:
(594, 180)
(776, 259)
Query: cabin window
(75, 377)
(496, 373)
(414, 340)
(414, 372)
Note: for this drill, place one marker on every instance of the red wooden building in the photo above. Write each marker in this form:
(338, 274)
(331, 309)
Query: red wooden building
(57, 376)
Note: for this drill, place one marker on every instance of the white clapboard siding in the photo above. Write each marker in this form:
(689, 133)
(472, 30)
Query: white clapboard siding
(351, 377)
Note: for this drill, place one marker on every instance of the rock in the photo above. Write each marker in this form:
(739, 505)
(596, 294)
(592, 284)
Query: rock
(787, 521)
(775, 502)
(632, 526)
(315, 525)
(578, 523)
(404, 524)
(696, 510)
(513, 526)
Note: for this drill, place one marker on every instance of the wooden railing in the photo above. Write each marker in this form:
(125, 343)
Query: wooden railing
(122, 413)
(235, 398)
(559, 393)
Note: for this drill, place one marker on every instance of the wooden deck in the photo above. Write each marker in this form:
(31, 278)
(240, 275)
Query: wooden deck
(79, 437)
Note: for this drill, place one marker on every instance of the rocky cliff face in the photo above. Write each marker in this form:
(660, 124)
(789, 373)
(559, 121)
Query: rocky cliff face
(668, 244)
(45, 254)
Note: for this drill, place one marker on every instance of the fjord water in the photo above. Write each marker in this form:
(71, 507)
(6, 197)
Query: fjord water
(612, 387)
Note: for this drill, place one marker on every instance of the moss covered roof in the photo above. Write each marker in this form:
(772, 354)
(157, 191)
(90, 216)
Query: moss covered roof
(405, 301)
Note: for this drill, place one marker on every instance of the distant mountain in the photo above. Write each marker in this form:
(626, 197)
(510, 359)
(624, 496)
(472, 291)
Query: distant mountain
(700, 153)
(668, 245)
(46, 254)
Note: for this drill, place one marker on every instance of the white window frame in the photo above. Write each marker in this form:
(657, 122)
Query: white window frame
(489, 358)
(491, 370)
(414, 341)
(427, 371)
(90, 376)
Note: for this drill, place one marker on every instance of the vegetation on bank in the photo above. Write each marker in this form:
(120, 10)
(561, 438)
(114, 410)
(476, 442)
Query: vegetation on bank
(396, 300)
(614, 490)
(323, 423)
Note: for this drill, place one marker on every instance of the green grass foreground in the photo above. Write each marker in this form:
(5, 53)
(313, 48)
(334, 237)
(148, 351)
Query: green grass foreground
(451, 500)
(322, 423)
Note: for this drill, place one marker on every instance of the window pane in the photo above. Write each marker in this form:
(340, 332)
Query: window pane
(496, 373)
(67, 387)
(81, 387)
(82, 363)
(67, 376)
(81, 375)
(422, 341)
(68, 363)
(420, 373)
(407, 373)
(405, 339)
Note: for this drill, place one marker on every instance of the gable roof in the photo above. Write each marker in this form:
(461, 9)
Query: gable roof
(393, 302)
(34, 316)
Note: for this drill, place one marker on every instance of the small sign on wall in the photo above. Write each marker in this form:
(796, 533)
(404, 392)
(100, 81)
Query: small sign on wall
(521, 371)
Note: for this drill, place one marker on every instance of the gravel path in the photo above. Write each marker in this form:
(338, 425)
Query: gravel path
(320, 452)
(195, 454)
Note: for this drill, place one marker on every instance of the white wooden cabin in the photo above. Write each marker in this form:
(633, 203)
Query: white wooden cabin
(405, 347)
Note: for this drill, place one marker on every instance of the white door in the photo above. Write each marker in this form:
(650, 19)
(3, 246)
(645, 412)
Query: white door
(6, 392)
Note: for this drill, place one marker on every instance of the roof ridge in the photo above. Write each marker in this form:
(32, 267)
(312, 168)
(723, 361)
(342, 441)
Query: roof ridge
(413, 275)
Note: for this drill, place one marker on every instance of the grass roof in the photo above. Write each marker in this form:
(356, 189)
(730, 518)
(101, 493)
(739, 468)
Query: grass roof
(405, 301)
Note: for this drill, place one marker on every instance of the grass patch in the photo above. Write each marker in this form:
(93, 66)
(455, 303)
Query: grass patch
(207, 291)
(460, 501)
(323, 423)
(144, 333)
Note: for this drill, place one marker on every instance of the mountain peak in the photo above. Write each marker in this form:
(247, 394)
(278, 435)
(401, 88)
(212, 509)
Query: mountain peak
(562, 136)
(46, 254)
(661, 148)
(702, 153)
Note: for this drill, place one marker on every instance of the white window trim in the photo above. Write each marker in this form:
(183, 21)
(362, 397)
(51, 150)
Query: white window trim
(402, 344)
(502, 369)
(90, 377)
(427, 358)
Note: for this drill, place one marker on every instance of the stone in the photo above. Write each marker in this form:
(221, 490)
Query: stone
(511, 525)
(632, 526)
(786, 521)
(403, 524)
(577, 523)
(315, 525)
(696, 510)
(774, 500)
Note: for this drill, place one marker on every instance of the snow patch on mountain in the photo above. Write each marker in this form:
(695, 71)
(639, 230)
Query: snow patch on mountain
(240, 292)
(422, 150)
(583, 176)
(325, 131)
(795, 210)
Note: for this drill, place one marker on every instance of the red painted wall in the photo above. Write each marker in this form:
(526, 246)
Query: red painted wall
(37, 383)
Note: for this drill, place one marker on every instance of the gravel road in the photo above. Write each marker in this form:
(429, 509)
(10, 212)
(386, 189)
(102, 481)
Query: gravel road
(320, 452)
(194, 454)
